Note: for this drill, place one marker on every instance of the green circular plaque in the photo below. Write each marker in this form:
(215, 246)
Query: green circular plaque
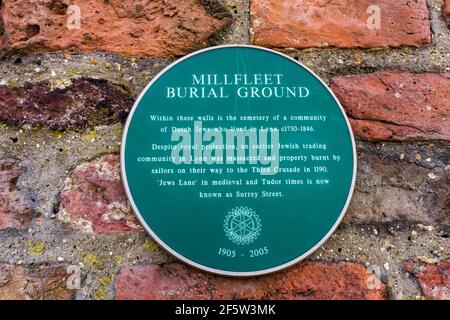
(238, 160)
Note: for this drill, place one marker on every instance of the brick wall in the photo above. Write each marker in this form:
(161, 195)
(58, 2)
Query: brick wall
(66, 87)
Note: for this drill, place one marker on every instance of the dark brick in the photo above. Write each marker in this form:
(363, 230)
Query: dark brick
(86, 102)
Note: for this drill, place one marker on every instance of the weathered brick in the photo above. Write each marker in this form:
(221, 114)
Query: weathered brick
(446, 11)
(46, 283)
(339, 23)
(15, 209)
(434, 279)
(315, 280)
(396, 106)
(94, 199)
(393, 190)
(156, 28)
(84, 102)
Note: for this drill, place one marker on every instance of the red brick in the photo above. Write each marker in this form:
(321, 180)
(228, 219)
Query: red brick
(131, 27)
(446, 11)
(84, 102)
(434, 279)
(94, 199)
(396, 106)
(46, 283)
(15, 209)
(315, 280)
(339, 23)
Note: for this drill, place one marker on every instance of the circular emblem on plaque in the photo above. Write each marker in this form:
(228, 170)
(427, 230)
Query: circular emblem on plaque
(242, 225)
(238, 160)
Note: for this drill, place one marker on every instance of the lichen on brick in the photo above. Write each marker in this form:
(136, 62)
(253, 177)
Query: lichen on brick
(91, 260)
(36, 248)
